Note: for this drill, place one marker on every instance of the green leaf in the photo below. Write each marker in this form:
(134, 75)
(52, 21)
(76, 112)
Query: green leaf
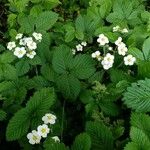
(131, 146)
(18, 125)
(2, 115)
(80, 27)
(26, 23)
(146, 49)
(70, 33)
(46, 20)
(142, 122)
(22, 67)
(69, 86)
(49, 145)
(137, 96)
(101, 136)
(49, 4)
(62, 59)
(83, 67)
(144, 69)
(7, 57)
(139, 138)
(82, 142)
(48, 72)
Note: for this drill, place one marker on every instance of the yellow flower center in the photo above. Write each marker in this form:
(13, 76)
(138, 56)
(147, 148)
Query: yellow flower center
(43, 130)
(34, 138)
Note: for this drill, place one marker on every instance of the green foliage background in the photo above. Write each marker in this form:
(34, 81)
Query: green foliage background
(95, 109)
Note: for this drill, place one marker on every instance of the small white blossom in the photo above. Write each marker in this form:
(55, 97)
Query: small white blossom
(49, 118)
(96, 55)
(43, 130)
(125, 30)
(22, 42)
(79, 47)
(56, 138)
(108, 61)
(122, 50)
(19, 52)
(93, 55)
(32, 45)
(110, 48)
(37, 36)
(118, 41)
(106, 65)
(19, 36)
(129, 60)
(116, 28)
(31, 54)
(102, 40)
(73, 51)
(34, 137)
(28, 40)
(84, 44)
(11, 45)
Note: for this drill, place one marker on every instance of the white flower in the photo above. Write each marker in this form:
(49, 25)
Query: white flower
(108, 61)
(43, 130)
(109, 58)
(79, 47)
(19, 52)
(106, 65)
(28, 39)
(11, 45)
(129, 60)
(102, 40)
(84, 44)
(122, 50)
(110, 48)
(96, 55)
(118, 41)
(125, 30)
(93, 55)
(37, 36)
(31, 54)
(116, 28)
(49, 118)
(31, 45)
(19, 36)
(73, 51)
(34, 137)
(56, 138)
(22, 42)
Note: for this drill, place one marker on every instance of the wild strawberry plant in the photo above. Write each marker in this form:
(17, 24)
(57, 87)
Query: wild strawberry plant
(75, 75)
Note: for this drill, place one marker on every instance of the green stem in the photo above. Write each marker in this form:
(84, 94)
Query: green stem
(62, 121)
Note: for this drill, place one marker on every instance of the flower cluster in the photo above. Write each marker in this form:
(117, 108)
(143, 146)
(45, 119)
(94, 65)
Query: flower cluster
(25, 46)
(119, 29)
(106, 58)
(79, 47)
(42, 130)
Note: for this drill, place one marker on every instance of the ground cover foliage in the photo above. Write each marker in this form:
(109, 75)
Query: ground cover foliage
(74, 74)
